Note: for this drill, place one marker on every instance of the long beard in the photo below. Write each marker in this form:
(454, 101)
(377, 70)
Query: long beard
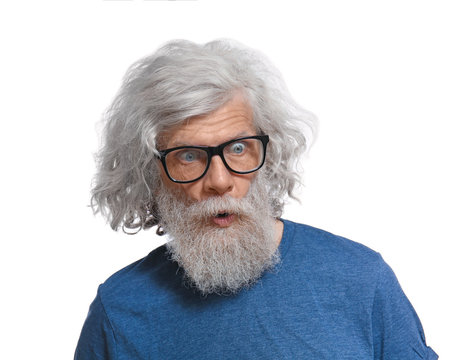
(216, 259)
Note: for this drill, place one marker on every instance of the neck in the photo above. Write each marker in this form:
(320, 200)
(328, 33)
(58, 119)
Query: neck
(279, 226)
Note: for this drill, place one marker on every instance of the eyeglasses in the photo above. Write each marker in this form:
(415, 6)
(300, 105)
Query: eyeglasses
(185, 164)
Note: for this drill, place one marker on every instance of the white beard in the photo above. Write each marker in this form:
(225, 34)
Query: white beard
(216, 259)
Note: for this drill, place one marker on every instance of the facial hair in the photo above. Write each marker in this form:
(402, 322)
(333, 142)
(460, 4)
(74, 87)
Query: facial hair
(221, 260)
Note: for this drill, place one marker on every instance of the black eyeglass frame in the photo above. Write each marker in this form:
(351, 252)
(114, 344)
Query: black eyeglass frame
(212, 151)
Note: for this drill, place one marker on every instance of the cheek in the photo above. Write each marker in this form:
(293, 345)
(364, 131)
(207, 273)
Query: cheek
(190, 191)
(193, 191)
(242, 185)
(176, 188)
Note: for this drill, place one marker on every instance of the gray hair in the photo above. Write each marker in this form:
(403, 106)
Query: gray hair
(181, 80)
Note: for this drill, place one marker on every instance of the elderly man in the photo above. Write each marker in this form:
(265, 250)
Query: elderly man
(202, 142)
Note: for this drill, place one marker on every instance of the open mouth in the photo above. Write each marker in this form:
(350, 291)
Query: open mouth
(223, 219)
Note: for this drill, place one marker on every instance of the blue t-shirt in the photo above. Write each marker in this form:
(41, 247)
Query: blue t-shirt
(329, 298)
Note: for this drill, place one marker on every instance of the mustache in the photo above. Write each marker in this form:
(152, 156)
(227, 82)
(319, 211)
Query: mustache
(217, 205)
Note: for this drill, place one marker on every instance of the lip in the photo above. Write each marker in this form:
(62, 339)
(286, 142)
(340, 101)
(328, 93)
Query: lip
(223, 221)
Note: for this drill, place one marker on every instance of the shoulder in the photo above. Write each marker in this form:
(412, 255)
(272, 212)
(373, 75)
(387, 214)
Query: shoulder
(122, 301)
(324, 246)
(354, 279)
(344, 270)
(133, 282)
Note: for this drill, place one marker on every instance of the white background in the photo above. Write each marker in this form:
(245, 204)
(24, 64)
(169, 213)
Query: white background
(387, 79)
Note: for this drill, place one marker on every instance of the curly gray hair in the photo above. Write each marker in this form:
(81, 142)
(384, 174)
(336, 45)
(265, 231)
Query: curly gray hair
(181, 80)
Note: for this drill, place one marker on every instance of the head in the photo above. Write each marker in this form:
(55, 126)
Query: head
(200, 95)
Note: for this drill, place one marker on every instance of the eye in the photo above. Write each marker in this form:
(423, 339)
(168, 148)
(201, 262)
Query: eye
(188, 156)
(237, 148)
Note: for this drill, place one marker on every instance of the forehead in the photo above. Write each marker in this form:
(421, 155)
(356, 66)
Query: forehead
(231, 120)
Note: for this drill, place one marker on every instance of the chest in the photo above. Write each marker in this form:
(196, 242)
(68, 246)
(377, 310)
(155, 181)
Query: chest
(263, 323)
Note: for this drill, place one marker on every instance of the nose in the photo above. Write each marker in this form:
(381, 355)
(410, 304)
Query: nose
(218, 180)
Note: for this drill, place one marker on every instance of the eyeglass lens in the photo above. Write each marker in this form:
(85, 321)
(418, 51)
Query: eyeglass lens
(190, 163)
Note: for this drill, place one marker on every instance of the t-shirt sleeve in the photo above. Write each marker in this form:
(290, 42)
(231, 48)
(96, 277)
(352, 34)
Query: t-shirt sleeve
(97, 340)
(397, 331)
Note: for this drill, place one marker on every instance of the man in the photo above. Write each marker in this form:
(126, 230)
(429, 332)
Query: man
(202, 142)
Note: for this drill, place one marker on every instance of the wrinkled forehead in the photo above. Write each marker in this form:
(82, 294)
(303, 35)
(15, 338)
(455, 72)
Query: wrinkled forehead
(232, 119)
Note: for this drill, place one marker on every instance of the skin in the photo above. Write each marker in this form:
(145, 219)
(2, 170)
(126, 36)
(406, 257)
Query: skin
(232, 120)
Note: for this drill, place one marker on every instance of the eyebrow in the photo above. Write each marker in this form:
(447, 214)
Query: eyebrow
(238, 135)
